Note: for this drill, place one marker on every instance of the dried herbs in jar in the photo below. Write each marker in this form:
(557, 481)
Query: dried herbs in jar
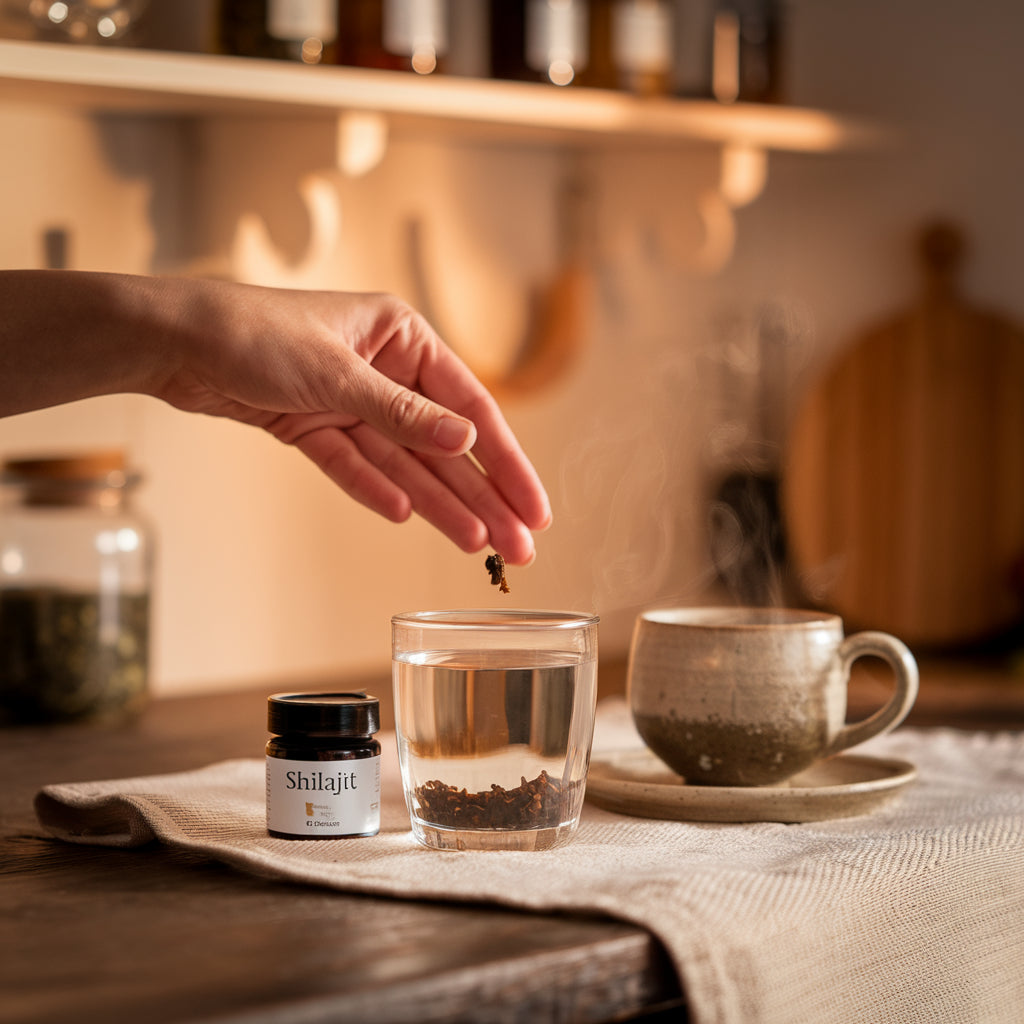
(75, 575)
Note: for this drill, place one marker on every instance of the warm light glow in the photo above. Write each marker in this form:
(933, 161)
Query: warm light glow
(127, 539)
(744, 173)
(725, 58)
(106, 27)
(424, 60)
(12, 561)
(256, 260)
(312, 51)
(362, 140)
(110, 542)
(106, 542)
(561, 72)
(58, 13)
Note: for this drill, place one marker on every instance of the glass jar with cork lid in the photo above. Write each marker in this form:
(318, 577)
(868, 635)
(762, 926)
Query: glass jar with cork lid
(76, 564)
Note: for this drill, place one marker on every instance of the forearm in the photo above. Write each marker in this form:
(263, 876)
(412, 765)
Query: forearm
(360, 383)
(67, 335)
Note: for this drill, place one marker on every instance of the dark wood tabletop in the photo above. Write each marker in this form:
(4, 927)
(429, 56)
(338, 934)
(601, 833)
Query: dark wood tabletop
(99, 934)
(90, 934)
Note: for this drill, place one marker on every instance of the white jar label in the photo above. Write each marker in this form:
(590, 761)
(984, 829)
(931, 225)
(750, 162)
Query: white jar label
(323, 798)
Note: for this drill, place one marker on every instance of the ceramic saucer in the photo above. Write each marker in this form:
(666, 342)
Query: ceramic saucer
(635, 782)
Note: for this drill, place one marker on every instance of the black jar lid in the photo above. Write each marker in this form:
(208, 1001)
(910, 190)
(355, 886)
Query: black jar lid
(352, 713)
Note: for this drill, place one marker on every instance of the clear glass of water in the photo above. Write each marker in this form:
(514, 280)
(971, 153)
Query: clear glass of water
(494, 712)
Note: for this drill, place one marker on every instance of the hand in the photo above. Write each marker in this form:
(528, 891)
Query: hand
(364, 387)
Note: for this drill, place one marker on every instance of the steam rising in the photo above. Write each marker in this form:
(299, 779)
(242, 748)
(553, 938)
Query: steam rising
(757, 357)
(669, 494)
(624, 481)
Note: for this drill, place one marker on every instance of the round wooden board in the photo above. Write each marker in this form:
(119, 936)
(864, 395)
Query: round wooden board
(903, 483)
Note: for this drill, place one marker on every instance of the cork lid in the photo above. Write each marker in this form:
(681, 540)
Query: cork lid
(90, 465)
(70, 478)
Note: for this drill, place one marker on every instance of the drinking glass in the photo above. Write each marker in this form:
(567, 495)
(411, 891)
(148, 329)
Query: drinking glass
(494, 713)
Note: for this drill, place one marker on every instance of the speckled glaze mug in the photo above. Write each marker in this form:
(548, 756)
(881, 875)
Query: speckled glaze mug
(753, 696)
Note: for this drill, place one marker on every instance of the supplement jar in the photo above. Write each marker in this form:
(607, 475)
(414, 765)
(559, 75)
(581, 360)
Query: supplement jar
(75, 578)
(323, 765)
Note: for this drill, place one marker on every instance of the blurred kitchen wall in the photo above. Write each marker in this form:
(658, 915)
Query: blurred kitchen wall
(268, 573)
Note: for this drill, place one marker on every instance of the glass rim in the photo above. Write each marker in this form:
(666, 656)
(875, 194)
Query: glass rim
(484, 619)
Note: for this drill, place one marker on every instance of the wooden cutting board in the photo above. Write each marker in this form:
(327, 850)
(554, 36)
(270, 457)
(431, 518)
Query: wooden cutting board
(903, 480)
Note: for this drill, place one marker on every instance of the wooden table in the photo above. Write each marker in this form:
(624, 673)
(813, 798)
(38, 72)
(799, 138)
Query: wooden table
(95, 934)
(90, 934)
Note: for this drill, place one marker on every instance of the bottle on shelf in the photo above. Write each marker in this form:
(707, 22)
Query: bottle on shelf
(507, 42)
(467, 54)
(599, 70)
(641, 46)
(185, 26)
(397, 35)
(693, 31)
(601, 44)
(540, 40)
(298, 30)
(93, 22)
(745, 52)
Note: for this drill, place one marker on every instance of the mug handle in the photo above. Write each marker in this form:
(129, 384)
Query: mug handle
(897, 655)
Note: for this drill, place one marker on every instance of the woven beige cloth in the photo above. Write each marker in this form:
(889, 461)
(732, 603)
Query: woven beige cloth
(914, 913)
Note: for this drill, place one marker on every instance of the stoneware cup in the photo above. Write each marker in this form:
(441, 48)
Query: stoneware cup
(752, 696)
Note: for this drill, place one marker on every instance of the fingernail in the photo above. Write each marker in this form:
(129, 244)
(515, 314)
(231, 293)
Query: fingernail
(454, 435)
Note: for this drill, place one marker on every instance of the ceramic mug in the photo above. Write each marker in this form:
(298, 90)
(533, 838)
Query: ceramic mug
(753, 696)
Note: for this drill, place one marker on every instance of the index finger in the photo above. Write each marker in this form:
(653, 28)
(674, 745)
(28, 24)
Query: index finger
(446, 379)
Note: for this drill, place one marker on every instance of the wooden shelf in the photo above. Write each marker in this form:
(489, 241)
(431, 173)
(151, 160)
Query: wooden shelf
(110, 80)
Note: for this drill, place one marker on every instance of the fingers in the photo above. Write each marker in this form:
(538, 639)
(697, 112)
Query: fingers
(445, 379)
(451, 494)
(339, 458)
(431, 498)
(506, 466)
(406, 414)
(411, 419)
(506, 531)
(409, 352)
(515, 478)
(454, 496)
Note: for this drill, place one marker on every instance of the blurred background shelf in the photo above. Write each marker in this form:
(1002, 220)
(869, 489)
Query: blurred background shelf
(109, 80)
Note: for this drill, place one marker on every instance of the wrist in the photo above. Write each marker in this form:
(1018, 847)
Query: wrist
(68, 335)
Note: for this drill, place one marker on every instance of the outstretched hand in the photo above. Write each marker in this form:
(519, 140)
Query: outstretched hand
(360, 383)
(364, 387)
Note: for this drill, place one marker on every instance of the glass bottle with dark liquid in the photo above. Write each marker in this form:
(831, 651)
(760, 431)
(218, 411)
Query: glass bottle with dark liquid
(297, 30)
(394, 35)
(745, 52)
(539, 40)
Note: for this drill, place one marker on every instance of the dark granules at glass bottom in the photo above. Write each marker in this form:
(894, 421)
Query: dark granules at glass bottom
(539, 803)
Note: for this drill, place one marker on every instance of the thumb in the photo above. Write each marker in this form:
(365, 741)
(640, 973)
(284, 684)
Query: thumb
(409, 418)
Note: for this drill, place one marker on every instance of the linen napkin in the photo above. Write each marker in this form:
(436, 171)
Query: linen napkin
(912, 913)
